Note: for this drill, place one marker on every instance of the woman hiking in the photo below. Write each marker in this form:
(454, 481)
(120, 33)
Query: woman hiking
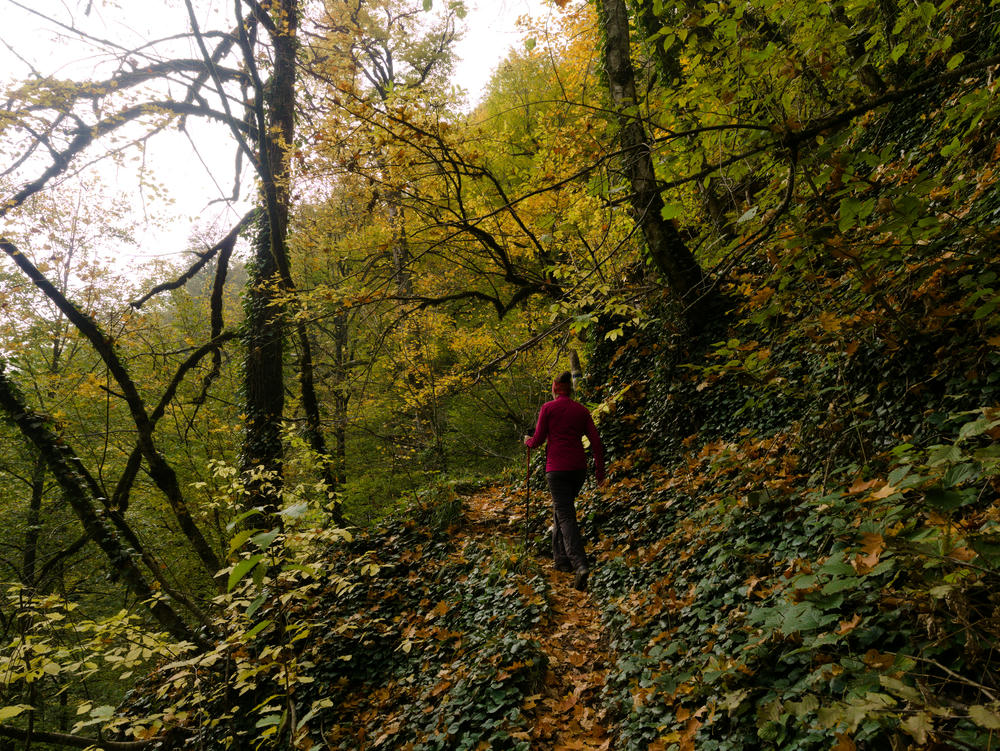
(563, 422)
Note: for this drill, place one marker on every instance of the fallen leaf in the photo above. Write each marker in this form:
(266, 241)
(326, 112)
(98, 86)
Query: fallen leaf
(984, 717)
(885, 491)
(860, 486)
(844, 743)
(847, 627)
(872, 545)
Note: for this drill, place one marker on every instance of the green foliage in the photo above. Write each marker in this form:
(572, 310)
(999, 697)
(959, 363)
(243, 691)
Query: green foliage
(91, 661)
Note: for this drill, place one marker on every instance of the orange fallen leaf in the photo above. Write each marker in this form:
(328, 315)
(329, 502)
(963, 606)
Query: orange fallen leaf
(962, 554)
(687, 739)
(847, 627)
(860, 486)
(872, 545)
(875, 659)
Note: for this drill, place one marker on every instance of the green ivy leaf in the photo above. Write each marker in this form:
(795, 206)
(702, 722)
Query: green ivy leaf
(988, 548)
(945, 500)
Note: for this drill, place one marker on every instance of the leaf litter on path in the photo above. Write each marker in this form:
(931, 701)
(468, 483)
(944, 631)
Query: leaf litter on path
(567, 714)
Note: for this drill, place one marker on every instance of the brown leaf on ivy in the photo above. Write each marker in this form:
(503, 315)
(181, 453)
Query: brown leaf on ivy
(860, 486)
(872, 546)
(847, 627)
(440, 688)
(687, 739)
(830, 322)
(884, 492)
(761, 297)
(844, 743)
(962, 554)
(875, 659)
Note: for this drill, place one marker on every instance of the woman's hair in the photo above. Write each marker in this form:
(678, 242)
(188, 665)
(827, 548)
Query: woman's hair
(563, 384)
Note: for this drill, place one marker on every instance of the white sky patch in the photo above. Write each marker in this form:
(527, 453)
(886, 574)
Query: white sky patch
(491, 31)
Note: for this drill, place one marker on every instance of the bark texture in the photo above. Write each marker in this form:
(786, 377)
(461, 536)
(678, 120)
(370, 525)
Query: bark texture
(270, 277)
(667, 249)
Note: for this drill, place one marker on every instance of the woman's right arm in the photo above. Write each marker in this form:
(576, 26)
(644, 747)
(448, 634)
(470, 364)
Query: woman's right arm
(541, 430)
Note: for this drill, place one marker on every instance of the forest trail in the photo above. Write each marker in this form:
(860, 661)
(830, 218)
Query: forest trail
(567, 713)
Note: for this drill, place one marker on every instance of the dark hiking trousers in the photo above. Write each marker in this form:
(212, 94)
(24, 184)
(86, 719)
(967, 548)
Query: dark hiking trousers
(567, 545)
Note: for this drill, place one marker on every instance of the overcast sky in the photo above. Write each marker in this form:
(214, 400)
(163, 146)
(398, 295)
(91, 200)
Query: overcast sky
(29, 42)
(491, 31)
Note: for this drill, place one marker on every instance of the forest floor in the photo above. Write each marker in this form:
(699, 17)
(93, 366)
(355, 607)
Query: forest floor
(567, 713)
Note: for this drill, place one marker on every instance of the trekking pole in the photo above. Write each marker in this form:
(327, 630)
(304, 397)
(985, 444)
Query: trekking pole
(527, 497)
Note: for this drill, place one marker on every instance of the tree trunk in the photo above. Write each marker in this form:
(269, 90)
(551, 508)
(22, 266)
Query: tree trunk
(31, 536)
(341, 392)
(667, 250)
(270, 277)
(262, 456)
(314, 428)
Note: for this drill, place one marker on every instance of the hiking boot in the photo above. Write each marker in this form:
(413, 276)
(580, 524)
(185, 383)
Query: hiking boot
(580, 582)
(566, 567)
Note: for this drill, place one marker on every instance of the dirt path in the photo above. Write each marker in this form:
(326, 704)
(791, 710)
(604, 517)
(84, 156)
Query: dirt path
(567, 713)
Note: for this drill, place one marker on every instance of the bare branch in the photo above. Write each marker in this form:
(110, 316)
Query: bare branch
(225, 244)
(74, 741)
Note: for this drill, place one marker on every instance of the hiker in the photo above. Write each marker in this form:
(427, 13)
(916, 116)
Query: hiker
(563, 422)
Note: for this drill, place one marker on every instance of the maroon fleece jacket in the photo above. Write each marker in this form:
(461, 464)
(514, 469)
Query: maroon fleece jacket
(564, 422)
